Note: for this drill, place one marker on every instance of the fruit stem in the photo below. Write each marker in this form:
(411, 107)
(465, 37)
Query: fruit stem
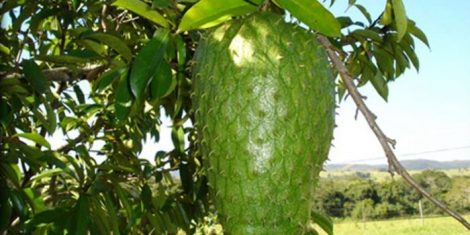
(265, 6)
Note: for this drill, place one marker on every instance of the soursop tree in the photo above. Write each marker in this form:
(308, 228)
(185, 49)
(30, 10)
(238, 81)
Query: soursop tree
(102, 74)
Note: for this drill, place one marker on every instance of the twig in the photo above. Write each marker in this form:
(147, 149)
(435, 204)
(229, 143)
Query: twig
(80, 138)
(64, 74)
(383, 139)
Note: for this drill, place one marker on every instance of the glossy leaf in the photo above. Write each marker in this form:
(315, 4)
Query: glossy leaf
(35, 137)
(204, 12)
(162, 82)
(380, 85)
(177, 136)
(314, 15)
(112, 41)
(400, 18)
(123, 99)
(144, 10)
(147, 62)
(12, 173)
(3, 49)
(35, 76)
(105, 80)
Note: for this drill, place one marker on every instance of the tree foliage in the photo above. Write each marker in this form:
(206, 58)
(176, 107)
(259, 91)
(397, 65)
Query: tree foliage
(104, 73)
(367, 198)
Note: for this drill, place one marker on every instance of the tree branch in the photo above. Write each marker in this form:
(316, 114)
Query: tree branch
(64, 74)
(383, 139)
(80, 138)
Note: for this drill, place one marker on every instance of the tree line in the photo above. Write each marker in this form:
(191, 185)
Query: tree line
(359, 196)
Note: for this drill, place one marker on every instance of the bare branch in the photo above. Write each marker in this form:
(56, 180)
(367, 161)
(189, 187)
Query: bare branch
(64, 74)
(383, 139)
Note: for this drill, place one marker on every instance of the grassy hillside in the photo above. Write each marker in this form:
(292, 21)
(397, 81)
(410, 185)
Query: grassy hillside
(430, 226)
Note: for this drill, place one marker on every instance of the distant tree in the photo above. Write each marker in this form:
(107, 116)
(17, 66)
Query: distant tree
(362, 189)
(330, 199)
(435, 182)
(363, 210)
(458, 196)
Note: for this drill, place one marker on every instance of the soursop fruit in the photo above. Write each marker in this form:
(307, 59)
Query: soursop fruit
(264, 110)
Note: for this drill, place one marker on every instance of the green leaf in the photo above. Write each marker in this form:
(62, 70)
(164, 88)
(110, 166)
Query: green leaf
(63, 59)
(370, 34)
(417, 32)
(81, 216)
(125, 201)
(92, 45)
(51, 122)
(123, 99)
(402, 62)
(142, 9)
(47, 173)
(323, 221)
(400, 18)
(107, 78)
(5, 209)
(162, 83)
(161, 3)
(35, 137)
(46, 217)
(114, 42)
(364, 12)
(100, 220)
(3, 49)
(147, 62)
(177, 136)
(180, 52)
(35, 76)
(79, 93)
(406, 45)
(387, 17)
(146, 197)
(384, 61)
(204, 12)
(75, 3)
(380, 85)
(314, 15)
(12, 173)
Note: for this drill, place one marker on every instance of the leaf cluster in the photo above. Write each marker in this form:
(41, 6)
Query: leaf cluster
(104, 74)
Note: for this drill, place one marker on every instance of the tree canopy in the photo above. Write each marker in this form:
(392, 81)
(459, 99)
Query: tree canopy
(102, 74)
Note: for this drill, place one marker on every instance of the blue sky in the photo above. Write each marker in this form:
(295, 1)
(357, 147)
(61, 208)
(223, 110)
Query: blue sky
(426, 111)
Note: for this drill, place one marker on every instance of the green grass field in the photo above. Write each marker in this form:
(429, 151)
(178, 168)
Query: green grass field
(430, 226)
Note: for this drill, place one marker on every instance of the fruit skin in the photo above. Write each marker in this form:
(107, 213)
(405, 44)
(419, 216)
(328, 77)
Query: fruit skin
(264, 111)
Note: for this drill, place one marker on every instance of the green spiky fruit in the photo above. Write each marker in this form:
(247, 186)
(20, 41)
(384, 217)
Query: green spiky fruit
(264, 109)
